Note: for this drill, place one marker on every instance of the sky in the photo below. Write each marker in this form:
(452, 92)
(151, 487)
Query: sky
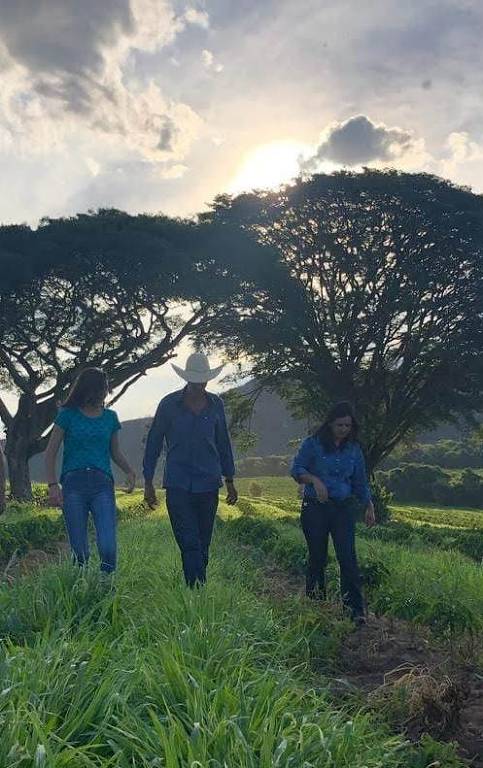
(159, 105)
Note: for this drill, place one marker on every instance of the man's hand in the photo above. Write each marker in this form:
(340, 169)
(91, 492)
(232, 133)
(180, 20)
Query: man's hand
(130, 481)
(150, 495)
(370, 516)
(320, 489)
(231, 493)
(55, 495)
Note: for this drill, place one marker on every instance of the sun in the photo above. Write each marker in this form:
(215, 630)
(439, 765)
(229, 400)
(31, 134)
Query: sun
(268, 166)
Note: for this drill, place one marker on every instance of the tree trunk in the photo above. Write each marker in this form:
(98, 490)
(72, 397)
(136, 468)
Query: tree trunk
(3, 478)
(18, 469)
(24, 440)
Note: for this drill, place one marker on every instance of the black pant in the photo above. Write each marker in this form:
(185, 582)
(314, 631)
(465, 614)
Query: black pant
(192, 517)
(338, 519)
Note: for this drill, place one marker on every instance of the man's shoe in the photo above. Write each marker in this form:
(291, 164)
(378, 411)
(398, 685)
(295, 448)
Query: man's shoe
(359, 621)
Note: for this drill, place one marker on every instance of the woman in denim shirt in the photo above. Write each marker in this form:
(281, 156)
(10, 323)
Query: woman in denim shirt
(331, 466)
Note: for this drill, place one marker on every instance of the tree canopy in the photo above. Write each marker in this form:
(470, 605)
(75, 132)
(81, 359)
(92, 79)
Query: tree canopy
(111, 290)
(385, 303)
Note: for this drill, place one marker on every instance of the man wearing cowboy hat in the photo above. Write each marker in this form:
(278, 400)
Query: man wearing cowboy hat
(191, 422)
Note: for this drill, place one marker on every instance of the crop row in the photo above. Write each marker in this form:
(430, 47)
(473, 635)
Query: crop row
(440, 589)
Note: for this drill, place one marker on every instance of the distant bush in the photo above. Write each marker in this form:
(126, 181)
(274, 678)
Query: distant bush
(448, 454)
(255, 490)
(264, 466)
(420, 482)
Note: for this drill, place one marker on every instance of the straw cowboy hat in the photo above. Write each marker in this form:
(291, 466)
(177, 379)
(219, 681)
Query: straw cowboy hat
(197, 370)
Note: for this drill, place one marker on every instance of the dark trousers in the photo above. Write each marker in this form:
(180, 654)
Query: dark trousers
(336, 518)
(90, 490)
(192, 517)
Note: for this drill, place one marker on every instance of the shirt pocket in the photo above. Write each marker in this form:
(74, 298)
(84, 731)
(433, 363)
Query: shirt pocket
(320, 467)
(207, 428)
(350, 466)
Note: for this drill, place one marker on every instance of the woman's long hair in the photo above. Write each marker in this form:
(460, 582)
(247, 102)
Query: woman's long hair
(324, 432)
(89, 388)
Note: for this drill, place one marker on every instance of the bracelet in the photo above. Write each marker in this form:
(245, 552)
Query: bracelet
(51, 484)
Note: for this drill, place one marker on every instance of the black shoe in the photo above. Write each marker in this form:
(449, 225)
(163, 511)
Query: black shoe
(359, 620)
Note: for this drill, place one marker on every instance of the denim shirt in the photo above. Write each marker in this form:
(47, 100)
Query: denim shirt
(198, 448)
(343, 471)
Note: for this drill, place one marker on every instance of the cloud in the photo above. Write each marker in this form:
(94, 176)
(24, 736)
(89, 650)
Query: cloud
(67, 67)
(463, 160)
(197, 16)
(210, 63)
(358, 141)
(63, 36)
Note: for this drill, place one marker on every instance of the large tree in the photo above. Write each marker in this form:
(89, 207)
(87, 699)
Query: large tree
(3, 478)
(385, 305)
(110, 290)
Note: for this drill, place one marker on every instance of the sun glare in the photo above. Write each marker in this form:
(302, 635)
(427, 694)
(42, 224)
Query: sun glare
(268, 166)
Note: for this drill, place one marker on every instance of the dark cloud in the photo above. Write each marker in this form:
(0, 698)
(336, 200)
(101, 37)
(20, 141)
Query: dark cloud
(63, 36)
(62, 43)
(70, 65)
(358, 140)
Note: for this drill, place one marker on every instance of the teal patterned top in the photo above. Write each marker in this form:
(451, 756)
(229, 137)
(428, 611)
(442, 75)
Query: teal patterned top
(87, 439)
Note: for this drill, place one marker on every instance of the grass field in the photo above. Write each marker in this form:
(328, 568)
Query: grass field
(155, 675)
(284, 488)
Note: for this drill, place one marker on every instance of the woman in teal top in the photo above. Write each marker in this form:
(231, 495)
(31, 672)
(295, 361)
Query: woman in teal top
(90, 434)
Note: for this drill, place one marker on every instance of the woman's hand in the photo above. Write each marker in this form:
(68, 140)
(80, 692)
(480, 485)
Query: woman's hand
(370, 516)
(55, 495)
(130, 481)
(320, 489)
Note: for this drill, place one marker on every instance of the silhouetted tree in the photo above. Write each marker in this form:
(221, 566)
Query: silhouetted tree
(385, 305)
(107, 289)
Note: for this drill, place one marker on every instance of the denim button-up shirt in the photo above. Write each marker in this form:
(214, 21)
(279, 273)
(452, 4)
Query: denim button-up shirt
(198, 448)
(343, 471)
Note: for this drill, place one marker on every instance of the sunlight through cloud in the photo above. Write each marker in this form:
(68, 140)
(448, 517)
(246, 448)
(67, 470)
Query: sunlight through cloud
(270, 165)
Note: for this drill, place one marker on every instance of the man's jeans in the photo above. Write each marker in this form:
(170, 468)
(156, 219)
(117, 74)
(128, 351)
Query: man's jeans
(192, 517)
(90, 490)
(338, 519)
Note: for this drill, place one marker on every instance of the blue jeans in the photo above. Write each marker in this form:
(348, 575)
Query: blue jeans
(90, 490)
(192, 517)
(336, 518)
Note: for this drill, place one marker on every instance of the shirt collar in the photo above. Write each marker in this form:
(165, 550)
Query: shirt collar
(179, 394)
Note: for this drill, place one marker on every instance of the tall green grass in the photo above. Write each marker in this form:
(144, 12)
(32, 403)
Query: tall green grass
(441, 589)
(439, 516)
(156, 675)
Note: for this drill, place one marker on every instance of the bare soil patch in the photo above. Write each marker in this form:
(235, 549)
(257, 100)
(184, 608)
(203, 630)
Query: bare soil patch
(21, 565)
(401, 670)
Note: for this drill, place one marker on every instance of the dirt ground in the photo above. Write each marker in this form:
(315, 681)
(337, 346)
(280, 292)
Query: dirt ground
(31, 561)
(402, 670)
